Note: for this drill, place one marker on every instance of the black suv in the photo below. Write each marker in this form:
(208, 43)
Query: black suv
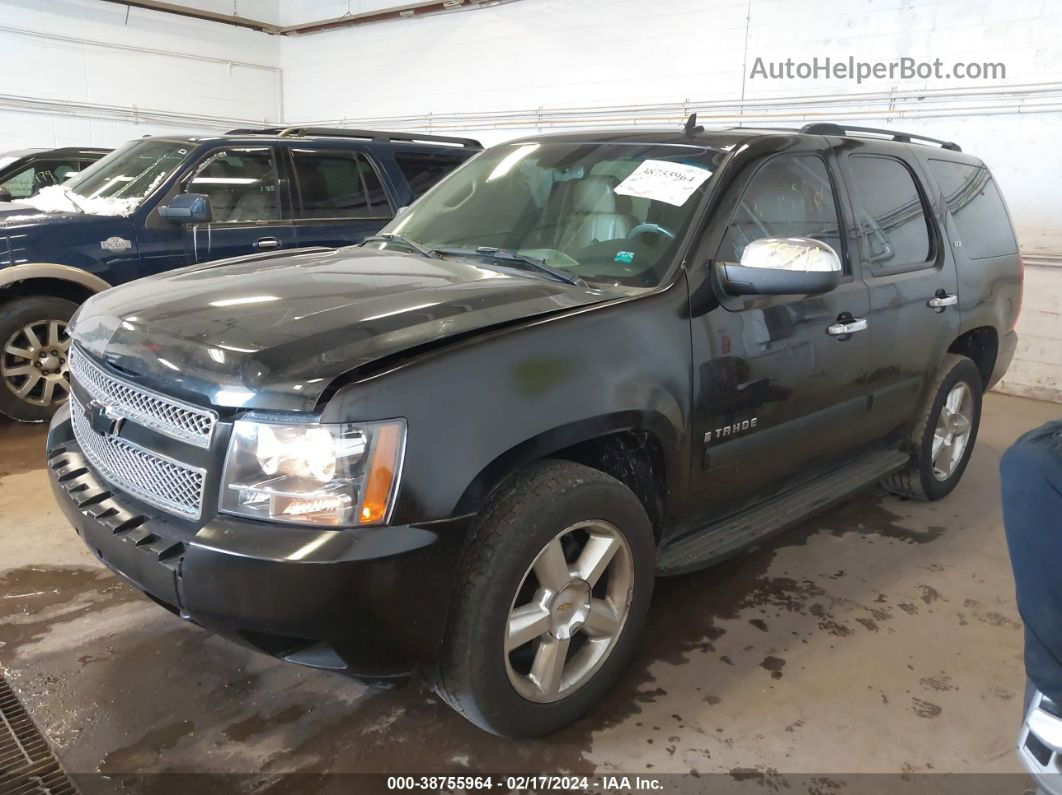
(24, 172)
(160, 203)
(580, 361)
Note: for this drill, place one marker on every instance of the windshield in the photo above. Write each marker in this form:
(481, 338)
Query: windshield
(604, 212)
(130, 173)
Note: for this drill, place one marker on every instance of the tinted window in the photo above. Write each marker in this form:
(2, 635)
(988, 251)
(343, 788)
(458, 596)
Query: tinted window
(338, 185)
(241, 184)
(893, 227)
(39, 175)
(423, 170)
(977, 207)
(788, 197)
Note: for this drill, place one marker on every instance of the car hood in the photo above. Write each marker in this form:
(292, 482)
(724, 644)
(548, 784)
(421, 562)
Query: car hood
(18, 214)
(274, 331)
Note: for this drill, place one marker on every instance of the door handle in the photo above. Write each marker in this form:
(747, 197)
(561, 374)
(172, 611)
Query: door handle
(842, 328)
(941, 300)
(267, 243)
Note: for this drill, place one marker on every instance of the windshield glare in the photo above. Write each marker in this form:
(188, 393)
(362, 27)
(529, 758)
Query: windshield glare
(131, 172)
(605, 212)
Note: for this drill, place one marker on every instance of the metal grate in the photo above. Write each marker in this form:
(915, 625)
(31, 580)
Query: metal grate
(27, 764)
(154, 478)
(174, 418)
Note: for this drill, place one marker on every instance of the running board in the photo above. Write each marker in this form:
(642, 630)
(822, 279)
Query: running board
(716, 541)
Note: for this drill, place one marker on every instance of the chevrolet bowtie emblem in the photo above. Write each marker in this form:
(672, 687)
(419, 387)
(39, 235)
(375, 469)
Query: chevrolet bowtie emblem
(102, 419)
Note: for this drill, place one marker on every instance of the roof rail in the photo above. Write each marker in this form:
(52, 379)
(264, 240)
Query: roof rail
(376, 135)
(828, 128)
(256, 131)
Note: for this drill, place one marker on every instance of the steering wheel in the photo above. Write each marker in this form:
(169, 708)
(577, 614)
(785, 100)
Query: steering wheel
(650, 229)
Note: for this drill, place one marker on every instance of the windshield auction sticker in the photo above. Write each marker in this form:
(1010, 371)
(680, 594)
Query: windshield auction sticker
(663, 181)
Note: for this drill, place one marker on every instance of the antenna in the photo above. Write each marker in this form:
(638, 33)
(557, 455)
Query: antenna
(692, 126)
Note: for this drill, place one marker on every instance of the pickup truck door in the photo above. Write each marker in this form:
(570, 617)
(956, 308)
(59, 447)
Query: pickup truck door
(339, 196)
(776, 392)
(910, 275)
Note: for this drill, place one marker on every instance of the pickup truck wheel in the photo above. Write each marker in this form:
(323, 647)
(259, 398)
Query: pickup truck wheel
(553, 593)
(33, 359)
(944, 435)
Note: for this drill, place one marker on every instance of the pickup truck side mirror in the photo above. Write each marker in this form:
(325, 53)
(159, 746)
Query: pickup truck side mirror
(5, 195)
(188, 208)
(783, 266)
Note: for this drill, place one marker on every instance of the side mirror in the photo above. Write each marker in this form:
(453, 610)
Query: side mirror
(5, 195)
(783, 266)
(188, 208)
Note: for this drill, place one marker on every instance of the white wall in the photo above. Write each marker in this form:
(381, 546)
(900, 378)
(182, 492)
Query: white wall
(88, 72)
(541, 65)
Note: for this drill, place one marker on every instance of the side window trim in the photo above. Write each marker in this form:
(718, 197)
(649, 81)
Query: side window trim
(870, 268)
(356, 155)
(837, 203)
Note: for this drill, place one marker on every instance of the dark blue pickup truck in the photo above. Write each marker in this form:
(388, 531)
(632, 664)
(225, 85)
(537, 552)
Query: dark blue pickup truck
(159, 203)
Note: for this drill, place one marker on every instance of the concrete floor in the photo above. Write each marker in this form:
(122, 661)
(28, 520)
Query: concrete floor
(879, 637)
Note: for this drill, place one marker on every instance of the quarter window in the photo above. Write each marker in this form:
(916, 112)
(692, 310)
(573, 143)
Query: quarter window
(338, 185)
(789, 197)
(977, 207)
(423, 169)
(892, 220)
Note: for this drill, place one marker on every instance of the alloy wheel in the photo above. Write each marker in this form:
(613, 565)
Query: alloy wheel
(569, 611)
(33, 363)
(952, 434)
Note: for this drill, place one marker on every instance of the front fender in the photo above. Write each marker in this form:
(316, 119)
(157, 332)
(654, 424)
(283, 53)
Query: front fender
(476, 412)
(52, 270)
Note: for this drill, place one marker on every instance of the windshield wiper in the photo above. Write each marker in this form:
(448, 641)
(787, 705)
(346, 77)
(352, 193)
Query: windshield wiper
(389, 237)
(70, 195)
(508, 255)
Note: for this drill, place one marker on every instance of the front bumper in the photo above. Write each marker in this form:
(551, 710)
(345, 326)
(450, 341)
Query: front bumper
(1040, 743)
(370, 602)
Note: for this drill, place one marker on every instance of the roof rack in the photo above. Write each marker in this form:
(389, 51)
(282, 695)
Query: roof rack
(828, 128)
(344, 132)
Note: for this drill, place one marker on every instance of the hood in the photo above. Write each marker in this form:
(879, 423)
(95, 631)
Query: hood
(18, 214)
(273, 331)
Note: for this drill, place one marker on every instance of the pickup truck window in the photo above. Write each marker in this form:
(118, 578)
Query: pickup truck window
(577, 206)
(977, 207)
(39, 175)
(790, 196)
(893, 224)
(338, 185)
(241, 184)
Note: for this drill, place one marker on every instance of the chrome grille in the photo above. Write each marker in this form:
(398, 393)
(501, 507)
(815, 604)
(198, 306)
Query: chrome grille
(174, 418)
(156, 479)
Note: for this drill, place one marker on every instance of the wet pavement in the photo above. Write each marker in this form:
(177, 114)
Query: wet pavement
(879, 637)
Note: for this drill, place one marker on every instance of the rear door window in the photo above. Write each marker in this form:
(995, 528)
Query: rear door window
(423, 169)
(977, 207)
(894, 228)
(338, 185)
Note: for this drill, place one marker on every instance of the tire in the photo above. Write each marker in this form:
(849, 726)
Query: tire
(477, 674)
(46, 388)
(923, 479)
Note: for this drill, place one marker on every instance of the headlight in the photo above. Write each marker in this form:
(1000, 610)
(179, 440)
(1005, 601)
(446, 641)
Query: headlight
(313, 474)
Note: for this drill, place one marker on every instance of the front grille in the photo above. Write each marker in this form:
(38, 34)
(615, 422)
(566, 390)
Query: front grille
(174, 418)
(156, 479)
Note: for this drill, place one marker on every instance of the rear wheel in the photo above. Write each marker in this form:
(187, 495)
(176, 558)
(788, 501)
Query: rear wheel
(33, 357)
(554, 590)
(944, 435)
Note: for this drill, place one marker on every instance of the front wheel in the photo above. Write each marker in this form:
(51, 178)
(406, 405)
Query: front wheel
(944, 433)
(554, 589)
(33, 359)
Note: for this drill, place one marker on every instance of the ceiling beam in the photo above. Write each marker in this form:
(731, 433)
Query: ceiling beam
(347, 20)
